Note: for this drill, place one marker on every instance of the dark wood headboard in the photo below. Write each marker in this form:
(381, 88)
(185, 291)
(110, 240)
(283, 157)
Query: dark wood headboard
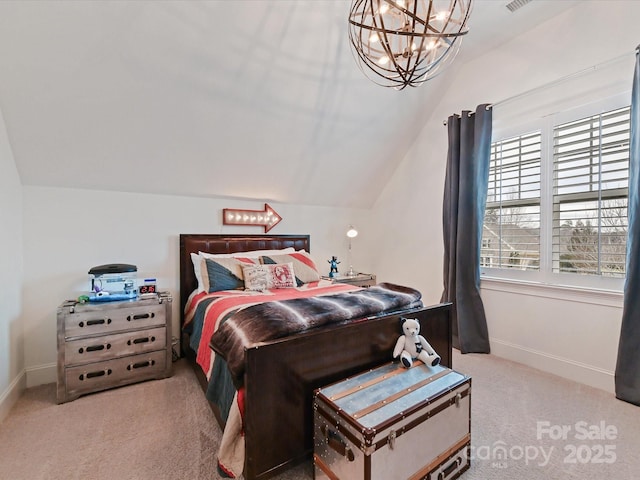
(216, 243)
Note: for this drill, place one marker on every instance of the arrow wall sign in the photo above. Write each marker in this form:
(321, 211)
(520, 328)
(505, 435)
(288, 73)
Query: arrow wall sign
(267, 218)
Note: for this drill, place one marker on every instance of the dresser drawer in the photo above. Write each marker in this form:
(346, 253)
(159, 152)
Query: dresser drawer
(95, 349)
(112, 373)
(90, 322)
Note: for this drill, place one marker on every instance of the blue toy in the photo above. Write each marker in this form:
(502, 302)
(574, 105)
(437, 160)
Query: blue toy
(334, 266)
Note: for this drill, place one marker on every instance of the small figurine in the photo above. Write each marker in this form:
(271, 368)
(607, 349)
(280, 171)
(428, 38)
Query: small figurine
(334, 266)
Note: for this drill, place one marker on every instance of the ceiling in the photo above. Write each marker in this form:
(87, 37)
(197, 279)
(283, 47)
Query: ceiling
(246, 99)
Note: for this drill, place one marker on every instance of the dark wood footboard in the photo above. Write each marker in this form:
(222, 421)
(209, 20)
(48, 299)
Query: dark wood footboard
(281, 376)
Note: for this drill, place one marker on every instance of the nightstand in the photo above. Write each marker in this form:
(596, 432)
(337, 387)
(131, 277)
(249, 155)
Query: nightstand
(108, 344)
(359, 279)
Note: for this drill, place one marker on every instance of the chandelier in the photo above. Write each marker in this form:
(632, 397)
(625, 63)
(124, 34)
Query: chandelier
(406, 42)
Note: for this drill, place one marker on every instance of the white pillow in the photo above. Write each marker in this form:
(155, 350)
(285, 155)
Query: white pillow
(196, 257)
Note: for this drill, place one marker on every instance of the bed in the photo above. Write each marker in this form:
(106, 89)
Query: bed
(277, 430)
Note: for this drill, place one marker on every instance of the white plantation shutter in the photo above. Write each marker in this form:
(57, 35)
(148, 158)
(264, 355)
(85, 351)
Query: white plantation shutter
(511, 231)
(590, 188)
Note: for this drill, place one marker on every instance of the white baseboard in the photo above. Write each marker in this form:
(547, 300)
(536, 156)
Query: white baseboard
(563, 367)
(11, 395)
(41, 374)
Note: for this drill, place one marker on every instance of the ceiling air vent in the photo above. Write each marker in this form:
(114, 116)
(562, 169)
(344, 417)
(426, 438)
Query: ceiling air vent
(516, 4)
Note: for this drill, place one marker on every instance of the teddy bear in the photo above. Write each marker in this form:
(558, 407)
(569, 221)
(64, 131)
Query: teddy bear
(412, 345)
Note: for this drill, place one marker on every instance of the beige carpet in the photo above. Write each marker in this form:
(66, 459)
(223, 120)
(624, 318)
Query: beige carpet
(164, 430)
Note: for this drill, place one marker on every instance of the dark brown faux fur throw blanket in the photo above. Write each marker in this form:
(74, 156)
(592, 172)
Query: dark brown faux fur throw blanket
(273, 320)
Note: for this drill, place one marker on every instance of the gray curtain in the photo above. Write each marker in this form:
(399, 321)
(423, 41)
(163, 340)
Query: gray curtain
(627, 377)
(465, 196)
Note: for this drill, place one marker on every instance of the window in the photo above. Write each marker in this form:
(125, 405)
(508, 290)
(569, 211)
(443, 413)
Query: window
(590, 182)
(511, 231)
(557, 199)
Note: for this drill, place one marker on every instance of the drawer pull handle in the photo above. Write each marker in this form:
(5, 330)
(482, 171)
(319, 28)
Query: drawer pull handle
(96, 374)
(140, 316)
(148, 363)
(94, 348)
(100, 321)
(137, 341)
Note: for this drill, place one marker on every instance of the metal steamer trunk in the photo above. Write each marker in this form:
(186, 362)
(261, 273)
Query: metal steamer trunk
(394, 423)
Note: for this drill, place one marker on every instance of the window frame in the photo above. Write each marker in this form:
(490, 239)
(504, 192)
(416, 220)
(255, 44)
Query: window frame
(545, 124)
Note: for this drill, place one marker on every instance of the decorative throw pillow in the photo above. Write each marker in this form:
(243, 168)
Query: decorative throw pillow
(303, 265)
(264, 277)
(224, 273)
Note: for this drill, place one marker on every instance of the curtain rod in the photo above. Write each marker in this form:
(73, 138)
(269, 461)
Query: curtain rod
(559, 80)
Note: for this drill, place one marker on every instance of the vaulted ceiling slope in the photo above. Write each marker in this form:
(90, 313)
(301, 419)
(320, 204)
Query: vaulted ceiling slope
(250, 99)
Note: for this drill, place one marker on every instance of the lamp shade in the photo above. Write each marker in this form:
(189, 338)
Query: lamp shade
(352, 232)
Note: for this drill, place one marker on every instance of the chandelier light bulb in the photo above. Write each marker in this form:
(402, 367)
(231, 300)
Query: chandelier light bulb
(441, 16)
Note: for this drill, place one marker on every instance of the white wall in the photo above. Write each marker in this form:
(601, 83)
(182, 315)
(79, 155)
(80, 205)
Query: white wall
(11, 330)
(561, 333)
(68, 231)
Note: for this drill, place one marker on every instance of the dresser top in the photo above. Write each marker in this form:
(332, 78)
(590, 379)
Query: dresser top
(73, 306)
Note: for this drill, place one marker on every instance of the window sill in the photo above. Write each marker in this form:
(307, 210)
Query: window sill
(610, 298)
